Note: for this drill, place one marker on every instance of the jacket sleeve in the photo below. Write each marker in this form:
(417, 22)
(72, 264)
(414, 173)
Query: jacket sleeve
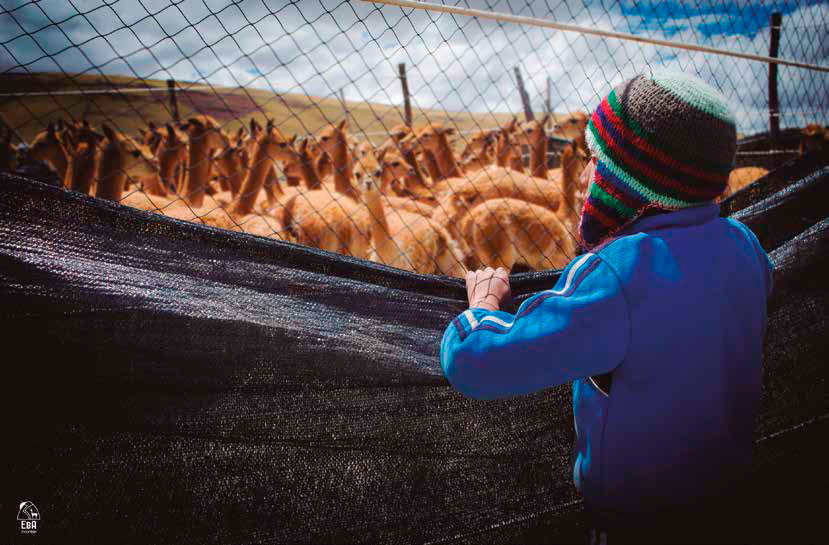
(762, 256)
(579, 328)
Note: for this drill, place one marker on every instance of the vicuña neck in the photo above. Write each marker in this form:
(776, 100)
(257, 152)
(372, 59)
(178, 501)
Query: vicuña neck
(538, 158)
(431, 166)
(198, 172)
(83, 170)
(253, 183)
(60, 162)
(111, 176)
(341, 162)
(446, 164)
(569, 174)
(309, 174)
(416, 176)
(383, 244)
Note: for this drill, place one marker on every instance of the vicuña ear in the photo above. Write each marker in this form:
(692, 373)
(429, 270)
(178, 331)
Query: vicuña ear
(303, 146)
(50, 129)
(269, 127)
(255, 127)
(67, 140)
(342, 125)
(171, 134)
(292, 139)
(382, 154)
(110, 134)
(545, 120)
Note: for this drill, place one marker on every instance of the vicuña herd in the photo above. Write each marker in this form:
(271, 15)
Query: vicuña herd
(412, 202)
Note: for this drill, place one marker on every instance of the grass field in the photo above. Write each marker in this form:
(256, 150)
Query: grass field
(131, 111)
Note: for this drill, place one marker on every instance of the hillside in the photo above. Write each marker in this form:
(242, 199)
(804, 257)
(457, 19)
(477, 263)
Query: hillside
(131, 111)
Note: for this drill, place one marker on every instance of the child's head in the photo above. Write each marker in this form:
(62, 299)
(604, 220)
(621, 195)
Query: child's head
(664, 141)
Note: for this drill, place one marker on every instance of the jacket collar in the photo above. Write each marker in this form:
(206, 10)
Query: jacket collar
(686, 217)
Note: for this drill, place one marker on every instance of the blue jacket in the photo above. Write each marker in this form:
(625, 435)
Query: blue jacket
(675, 308)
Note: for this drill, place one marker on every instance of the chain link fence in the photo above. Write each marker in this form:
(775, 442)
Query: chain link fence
(428, 141)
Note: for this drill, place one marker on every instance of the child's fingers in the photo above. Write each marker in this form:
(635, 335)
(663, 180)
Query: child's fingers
(470, 285)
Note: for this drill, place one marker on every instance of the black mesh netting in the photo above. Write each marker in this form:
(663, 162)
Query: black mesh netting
(175, 383)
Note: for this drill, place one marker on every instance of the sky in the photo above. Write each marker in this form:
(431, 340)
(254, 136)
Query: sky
(456, 63)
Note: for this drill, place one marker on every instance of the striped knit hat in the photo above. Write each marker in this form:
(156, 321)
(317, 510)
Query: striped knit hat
(662, 142)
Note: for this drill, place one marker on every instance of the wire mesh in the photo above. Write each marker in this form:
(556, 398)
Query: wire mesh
(286, 119)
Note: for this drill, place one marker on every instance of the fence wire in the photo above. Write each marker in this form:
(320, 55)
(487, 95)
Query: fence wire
(287, 119)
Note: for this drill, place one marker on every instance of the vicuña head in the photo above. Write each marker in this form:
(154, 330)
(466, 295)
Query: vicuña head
(204, 131)
(368, 172)
(478, 143)
(813, 137)
(274, 145)
(530, 133)
(433, 136)
(47, 146)
(333, 140)
(572, 127)
(122, 157)
(394, 169)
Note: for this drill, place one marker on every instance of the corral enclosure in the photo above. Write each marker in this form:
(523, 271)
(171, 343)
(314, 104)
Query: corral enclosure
(136, 66)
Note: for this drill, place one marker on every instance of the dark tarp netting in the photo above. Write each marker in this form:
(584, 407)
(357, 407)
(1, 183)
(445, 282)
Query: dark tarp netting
(173, 383)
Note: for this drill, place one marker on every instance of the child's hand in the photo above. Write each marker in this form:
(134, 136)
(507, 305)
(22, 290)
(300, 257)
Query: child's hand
(488, 288)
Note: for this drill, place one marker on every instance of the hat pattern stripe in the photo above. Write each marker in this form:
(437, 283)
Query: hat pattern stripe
(622, 174)
(611, 202)
(596, 214)
(611, 185)
(659, 181)
(625, 126)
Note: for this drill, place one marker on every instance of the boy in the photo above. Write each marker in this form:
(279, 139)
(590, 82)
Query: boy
(669, 302)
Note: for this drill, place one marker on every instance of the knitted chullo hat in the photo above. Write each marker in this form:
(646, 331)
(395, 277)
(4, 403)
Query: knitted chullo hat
(665, 141)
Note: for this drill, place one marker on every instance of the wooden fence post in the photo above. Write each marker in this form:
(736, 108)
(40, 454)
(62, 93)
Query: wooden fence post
(525, 98)
(774, 112)
(548, 104)
(171, 91)
(407, 105)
